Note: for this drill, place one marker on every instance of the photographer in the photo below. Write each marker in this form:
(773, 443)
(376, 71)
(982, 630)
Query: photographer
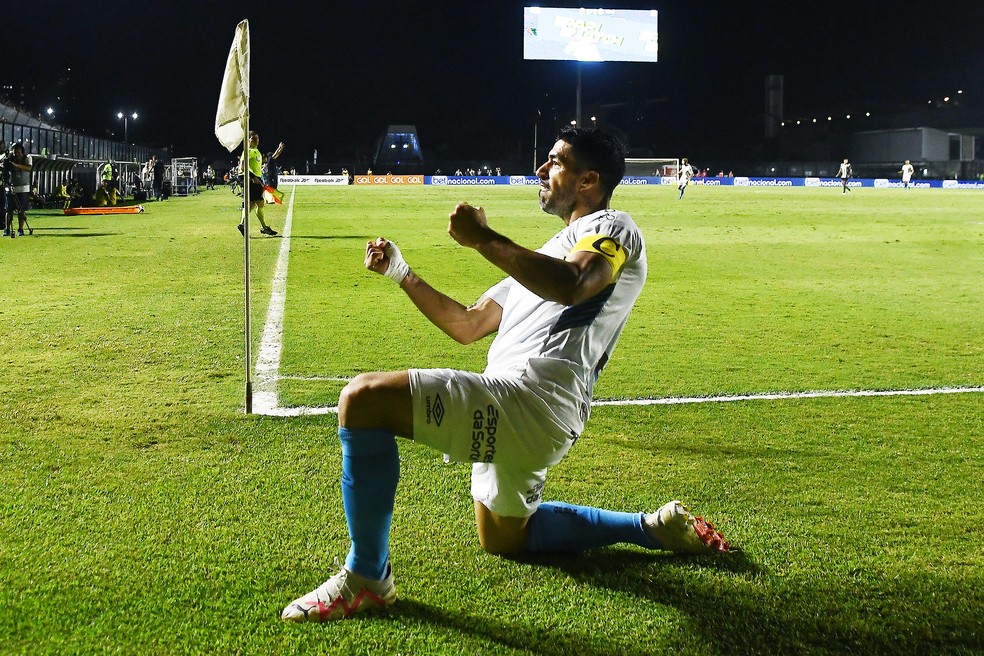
(16, 173)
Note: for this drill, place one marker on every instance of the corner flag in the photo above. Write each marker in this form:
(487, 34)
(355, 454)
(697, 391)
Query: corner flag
(231, 126)
(234, 97)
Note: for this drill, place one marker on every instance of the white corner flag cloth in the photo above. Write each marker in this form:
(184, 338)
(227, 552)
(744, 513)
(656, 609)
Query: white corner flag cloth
(234, 96)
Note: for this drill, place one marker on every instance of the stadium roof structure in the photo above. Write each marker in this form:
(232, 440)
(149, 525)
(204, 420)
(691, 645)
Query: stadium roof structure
(399, 147)
(11, 114)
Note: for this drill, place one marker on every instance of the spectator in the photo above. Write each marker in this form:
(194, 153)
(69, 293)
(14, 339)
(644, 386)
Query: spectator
(147, 173)
(17, 190)
(107, 171)
(75, 193)
(61, 195)
(102, 198)
(157, 172)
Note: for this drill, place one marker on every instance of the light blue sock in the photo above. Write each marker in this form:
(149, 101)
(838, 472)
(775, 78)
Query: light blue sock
(557, 526)
(370, 472)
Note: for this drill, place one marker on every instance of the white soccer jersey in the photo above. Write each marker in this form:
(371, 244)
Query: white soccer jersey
(686, 172)
(563, 349)
(844, 171)
(907, 172)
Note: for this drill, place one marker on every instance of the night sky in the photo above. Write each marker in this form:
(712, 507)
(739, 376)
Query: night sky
(332, 75)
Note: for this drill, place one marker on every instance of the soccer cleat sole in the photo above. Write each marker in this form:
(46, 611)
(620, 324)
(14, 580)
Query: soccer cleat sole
(711, 537)
(337, 609)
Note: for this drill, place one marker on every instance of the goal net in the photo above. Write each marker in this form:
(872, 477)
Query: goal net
(652, 166)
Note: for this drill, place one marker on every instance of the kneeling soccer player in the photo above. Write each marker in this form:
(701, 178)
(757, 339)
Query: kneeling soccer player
(557, 317)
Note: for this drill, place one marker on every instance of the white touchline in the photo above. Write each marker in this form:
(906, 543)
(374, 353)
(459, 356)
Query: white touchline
(819, 394)
(265, 399)
(299, 411)
(330, 379)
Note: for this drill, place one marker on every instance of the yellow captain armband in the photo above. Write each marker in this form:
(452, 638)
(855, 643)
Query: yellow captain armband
(607, 247)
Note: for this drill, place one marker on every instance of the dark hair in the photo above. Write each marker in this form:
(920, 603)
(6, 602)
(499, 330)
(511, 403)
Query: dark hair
(594, 150)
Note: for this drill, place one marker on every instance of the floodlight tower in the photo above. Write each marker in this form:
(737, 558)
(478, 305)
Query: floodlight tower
(125, 117)
(581, 34)
(577, 102)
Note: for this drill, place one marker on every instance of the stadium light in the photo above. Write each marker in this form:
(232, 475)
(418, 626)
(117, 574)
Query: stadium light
(848, 116)
(574, 123)
(126, 118)
(594, 121)
(946, 98)
(867, 113)
(50, 111)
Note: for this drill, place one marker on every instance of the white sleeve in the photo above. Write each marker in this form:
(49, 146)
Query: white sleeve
(499, 291)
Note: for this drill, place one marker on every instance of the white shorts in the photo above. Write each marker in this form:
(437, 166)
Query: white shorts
(498, 424)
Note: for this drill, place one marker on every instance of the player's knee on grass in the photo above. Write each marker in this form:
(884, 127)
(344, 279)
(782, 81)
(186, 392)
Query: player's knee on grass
(498, 535)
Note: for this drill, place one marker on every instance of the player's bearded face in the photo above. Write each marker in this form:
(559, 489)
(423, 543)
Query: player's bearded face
(558, 182)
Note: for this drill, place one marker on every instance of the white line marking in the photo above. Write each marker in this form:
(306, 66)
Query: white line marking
(300, 411)
(265, 400)
(330, 379)
(819, 394)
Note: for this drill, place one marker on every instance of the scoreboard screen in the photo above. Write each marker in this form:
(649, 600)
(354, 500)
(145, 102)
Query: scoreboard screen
(589, 34)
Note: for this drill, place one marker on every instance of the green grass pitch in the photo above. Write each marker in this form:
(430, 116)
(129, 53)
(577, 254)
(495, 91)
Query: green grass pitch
(141, 512)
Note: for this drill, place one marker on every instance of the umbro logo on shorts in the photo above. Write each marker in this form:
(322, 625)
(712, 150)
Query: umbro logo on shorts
(435, 410)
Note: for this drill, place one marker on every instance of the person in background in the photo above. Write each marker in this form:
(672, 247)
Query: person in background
(272, 172)
(75, 193)
(844, 173)
(157, 179)
(103, 195)
(684, 176)
(18, 190)
(253, 173)
(906, 172)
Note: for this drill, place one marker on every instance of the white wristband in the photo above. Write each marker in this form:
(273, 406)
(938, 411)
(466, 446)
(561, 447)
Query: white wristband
(398, 268)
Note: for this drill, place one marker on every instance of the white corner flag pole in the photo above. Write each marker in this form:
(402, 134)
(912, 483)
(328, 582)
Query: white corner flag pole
(231, 129)
(246, 270)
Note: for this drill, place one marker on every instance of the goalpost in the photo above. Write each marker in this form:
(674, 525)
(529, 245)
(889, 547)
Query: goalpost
(652, 166)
